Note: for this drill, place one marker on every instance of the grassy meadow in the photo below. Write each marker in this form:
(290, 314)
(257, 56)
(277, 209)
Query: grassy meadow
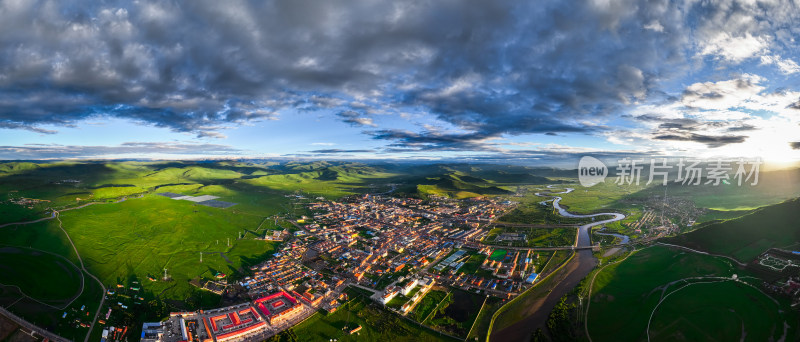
(624, 296)
(748, 236)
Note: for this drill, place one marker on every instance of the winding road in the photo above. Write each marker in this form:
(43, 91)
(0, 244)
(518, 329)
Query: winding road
(55, 215)
(83, 267)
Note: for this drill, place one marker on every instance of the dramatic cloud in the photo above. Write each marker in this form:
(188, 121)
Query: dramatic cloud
(711, 141)
(493, 67)
(481, 70)
(723, 94)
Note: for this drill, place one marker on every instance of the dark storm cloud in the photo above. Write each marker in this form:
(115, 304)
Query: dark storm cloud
(688, 129)
(407, 141)
(742, 128)
(491, 67)
(709, 140)
(403, 140)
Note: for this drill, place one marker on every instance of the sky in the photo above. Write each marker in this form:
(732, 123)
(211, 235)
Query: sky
(529, 82)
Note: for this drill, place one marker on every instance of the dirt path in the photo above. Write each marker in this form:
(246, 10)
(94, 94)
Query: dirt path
(71, 300)
(83, 267)
(52, 216)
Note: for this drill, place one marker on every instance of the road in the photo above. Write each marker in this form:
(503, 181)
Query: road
(27, 325)
(83, 267)
(71, 300)
(565, 279)
(55, 215)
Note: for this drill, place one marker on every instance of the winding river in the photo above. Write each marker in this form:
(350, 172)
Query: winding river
(578, 268)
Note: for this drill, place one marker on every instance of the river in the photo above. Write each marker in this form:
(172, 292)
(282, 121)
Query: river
(578, 268)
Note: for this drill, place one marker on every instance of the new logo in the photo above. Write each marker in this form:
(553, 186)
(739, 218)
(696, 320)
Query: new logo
(591, 171)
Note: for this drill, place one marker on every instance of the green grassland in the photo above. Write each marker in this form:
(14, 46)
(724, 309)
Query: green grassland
(714, 215)
(426, 306)
(142, 236)
(531, 211)
(625, 295)
(131, 234)
(773, 187)
(24, 267)
(746, 237)
(44, 278)
(473, 264)
(457, 313)
(64, 184)
(377, 324)
(456, 184)
(717, 316)
(484, 319)
(254, 186)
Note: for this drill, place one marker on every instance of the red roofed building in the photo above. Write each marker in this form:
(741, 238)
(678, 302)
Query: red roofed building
(239, 333)
(277, 306)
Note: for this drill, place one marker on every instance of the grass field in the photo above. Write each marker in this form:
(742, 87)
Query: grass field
(535, 237)
(140, 237)
(51, 286)
(625, 295)
(602, 196)
(718, 311)
(24, 268)
(484, 318)
(498, 254)
(426, 306)
(773, 187)
(473, 263)
(746, 237)
(377, 325)
(456, 315)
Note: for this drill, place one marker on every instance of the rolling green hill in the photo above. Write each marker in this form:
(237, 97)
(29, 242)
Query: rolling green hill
(455, 184)
(746, 237)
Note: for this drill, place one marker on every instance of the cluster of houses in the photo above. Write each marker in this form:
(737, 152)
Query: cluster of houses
(254, 320)
(382, 243)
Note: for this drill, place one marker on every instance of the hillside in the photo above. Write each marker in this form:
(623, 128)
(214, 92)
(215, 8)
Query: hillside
(455, 184)
(746, 237)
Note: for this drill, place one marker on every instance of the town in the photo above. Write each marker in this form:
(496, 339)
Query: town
(398, 249)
